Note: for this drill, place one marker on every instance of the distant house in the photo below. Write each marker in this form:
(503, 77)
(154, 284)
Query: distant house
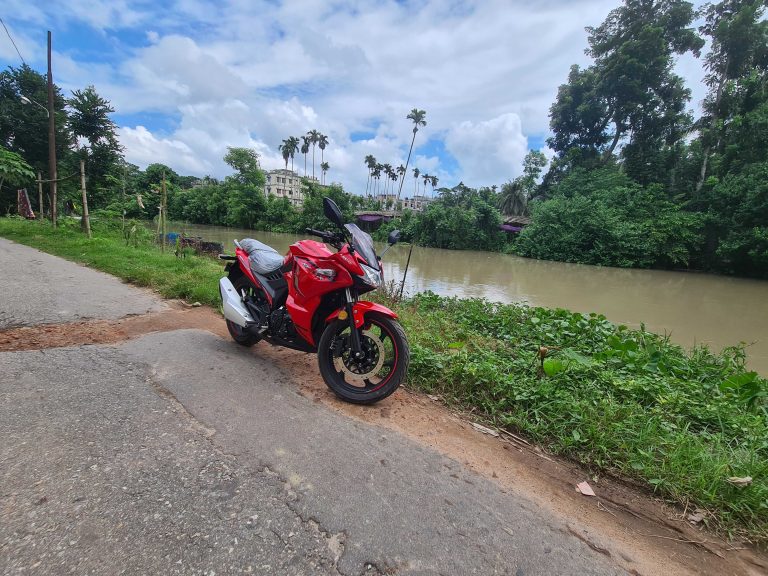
(514, 224)
(417, 203)
(284, 183)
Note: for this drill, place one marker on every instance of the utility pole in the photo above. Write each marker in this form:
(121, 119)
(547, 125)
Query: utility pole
(51, 136)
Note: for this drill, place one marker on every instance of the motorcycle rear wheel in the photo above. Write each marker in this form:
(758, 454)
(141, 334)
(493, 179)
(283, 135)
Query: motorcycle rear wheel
(378, 374)
(238, 334)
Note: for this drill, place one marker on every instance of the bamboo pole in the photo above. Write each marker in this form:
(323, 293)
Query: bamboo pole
(86, 221)
(163, 209)
(40, 194)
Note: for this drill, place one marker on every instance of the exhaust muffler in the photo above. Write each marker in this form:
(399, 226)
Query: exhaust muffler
(234, 310)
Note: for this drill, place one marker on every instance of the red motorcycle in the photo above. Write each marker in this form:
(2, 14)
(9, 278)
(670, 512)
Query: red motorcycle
(310, 301)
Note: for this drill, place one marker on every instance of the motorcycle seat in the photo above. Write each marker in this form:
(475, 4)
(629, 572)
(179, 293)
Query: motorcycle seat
(263, 259)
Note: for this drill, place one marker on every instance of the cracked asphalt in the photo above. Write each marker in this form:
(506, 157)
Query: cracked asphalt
(182, 453)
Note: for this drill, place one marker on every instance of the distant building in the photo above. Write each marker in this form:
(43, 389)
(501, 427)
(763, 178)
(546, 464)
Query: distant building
(284, 183)
(417, 203)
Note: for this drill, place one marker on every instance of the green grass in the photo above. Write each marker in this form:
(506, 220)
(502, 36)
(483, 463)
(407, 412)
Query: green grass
(193, 278)
(624, 402)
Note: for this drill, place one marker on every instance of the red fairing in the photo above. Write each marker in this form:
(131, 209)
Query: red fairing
(245, 266)
(361, 309)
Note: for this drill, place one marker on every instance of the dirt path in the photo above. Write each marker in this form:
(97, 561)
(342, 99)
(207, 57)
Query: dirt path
(635, 530)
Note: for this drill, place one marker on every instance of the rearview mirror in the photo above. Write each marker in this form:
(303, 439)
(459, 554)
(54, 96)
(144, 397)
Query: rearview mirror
(332, 212)
(394, 237)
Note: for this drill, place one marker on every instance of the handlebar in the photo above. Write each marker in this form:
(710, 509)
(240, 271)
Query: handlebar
(319, 233)
(333, 238)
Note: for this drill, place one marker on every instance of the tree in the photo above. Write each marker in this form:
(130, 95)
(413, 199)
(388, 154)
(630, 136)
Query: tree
(14, 170)
(416, 173)
(370, 162)
(24, 127)
(285, 150)
(314, 138)
(417, 117)
(324, 167)
(739, 36)
(630, 95)
(322, 142)
(89, 119)
(513, 200)
(246, 162)
(305, 142)
(294, 147)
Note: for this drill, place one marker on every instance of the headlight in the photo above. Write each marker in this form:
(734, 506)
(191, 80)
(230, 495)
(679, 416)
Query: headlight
(371, 277)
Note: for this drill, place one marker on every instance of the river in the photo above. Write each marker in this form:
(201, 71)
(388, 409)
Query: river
(691, 308)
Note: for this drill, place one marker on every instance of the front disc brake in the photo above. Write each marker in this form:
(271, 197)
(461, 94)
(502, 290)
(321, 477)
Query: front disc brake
(349, 366)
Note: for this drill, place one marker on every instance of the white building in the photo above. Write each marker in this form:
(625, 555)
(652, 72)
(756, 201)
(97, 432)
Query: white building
(284, 183)
(417, 203)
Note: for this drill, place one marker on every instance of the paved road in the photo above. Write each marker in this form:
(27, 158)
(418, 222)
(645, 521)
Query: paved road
(37, 288)
(179, 452)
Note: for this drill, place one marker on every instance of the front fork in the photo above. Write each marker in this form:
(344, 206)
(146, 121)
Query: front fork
(354, 342)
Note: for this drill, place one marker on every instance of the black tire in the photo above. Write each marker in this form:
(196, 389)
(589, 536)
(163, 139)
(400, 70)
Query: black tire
(238, 334)
(369, 380)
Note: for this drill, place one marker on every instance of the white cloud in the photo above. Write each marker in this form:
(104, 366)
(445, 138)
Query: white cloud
(488, 149)
(143, 148)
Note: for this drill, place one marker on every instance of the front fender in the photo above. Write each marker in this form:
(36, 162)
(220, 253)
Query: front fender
(361, 309)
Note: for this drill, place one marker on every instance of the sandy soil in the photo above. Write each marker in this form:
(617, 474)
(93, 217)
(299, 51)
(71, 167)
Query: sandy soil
(639, 532)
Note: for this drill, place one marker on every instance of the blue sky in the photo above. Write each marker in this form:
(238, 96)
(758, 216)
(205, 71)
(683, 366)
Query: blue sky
(190, 77)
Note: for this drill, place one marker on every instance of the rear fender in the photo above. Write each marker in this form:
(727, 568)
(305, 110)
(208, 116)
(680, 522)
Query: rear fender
(361, 309)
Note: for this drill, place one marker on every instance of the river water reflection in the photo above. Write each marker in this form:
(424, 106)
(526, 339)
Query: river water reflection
(691, 308)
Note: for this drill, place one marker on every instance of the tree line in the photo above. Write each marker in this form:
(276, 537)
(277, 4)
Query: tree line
(637, 180)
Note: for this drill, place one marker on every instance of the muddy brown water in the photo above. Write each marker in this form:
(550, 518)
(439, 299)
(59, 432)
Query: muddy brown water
(691, 308)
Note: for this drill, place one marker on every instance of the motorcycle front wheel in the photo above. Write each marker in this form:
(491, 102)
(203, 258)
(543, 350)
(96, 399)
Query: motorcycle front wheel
(377, 373)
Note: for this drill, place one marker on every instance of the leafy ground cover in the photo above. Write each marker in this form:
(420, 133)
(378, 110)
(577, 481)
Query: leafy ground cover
(624, 402)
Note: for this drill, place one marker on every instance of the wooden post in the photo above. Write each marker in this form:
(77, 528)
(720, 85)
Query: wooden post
(163, 210)
(40, 194)
(408, 263)
(86, 221)
(122, 199)
(51, 136)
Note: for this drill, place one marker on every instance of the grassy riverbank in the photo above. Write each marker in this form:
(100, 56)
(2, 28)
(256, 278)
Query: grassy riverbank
(620, 401)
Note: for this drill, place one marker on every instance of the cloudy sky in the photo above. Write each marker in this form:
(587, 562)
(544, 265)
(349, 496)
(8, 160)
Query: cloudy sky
(190, 77)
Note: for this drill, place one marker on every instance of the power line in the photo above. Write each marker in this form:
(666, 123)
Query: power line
(12, 42)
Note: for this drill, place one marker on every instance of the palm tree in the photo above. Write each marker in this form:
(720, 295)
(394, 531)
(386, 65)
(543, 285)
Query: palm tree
(314, 137)
(417, 116)
(322, 142)
(416, 173)
(370, 161)
(393, 177)
(512, 199)
(427, 178)
(285, 149)
(324, 167)
(388, 172)
(433, 180)
(401, 171)
(305, 142)
(376, 174)
(294, 147)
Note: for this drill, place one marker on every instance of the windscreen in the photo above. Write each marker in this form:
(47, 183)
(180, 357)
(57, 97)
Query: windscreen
(363, 243)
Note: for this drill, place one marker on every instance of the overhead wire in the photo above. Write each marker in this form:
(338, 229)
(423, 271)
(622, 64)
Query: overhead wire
(12, 42)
